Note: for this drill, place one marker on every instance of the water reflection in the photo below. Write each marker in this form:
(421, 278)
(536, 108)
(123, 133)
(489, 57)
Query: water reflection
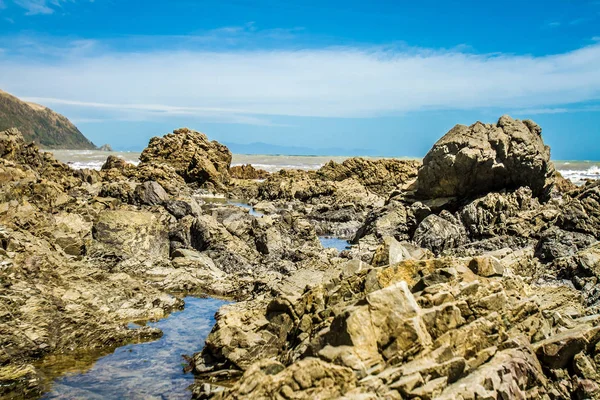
(152, 370)
(334, 242)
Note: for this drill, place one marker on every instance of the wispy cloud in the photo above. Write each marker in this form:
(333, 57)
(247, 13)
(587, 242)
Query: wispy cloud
(579, 21)
(34, 7)
(557, 110)
(252, 86)
(553, 24)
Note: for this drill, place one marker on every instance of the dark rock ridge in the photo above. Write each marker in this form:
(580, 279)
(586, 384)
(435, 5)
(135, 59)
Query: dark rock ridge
(40, 124)
(481, 158)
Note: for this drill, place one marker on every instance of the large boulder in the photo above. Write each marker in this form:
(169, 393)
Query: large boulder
(192, 155)
(474, 160)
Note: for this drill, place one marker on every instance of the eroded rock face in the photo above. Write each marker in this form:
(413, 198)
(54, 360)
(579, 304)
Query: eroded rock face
(195, 158)
(482, 158)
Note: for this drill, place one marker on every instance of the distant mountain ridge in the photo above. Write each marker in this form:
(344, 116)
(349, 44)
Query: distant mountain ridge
(273, 149)
(41, 125)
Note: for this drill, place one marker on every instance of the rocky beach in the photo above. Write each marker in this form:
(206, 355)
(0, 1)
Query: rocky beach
(472, 274)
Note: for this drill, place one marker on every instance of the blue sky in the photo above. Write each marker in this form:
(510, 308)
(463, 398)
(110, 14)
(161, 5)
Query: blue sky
(379, 77)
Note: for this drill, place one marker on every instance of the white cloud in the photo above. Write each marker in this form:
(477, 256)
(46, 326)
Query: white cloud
(249, 86)
(35, 7)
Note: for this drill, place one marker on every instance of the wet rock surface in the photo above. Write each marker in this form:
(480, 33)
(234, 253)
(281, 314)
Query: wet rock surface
(478, 282)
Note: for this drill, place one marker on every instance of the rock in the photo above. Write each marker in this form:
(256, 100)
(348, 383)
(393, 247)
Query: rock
(115, 162)
(559, 350)
(378, 176)
(192, 155)
(510, 373)
(581, 213)
(138, 236)
(151, 193)
(247, 172)
(392, 252)
(585, 367)
(105, 147)
(438, 234)
(483, 158)
(486, 266)
(557, 243)
(178, 208)
(73, 233)
(310, 378)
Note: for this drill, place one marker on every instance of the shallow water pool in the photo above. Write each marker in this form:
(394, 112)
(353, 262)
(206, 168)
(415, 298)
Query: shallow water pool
(151, 370)
(333, 242)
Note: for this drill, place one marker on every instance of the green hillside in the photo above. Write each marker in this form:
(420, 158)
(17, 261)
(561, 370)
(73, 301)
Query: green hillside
(40, 124)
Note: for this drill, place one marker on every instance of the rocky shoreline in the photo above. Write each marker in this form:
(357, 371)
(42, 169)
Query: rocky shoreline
(471, 275)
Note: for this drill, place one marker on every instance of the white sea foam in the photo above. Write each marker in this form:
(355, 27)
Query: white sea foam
(579, 176)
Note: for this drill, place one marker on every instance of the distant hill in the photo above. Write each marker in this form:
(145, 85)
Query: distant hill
(40, 124)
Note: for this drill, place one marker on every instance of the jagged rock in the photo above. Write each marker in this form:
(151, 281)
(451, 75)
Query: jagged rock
(582, 212)
(192, 155)
(482, 158)
(438, 234)
(310, 378)
(559, 350)
(72, 233)
(247, 172)
(150, 193)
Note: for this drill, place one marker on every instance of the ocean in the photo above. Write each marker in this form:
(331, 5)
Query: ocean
(576, 171)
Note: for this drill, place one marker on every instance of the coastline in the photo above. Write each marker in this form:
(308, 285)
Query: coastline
(454, 265)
